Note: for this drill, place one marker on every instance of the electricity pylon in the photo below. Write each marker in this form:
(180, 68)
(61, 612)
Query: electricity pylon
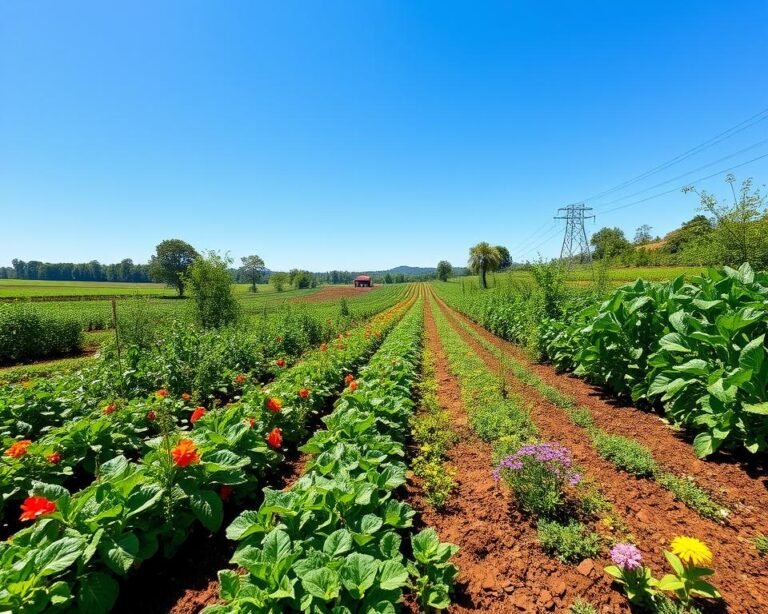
(575, 244)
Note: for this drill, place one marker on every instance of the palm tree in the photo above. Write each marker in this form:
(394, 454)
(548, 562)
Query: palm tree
(484, 258)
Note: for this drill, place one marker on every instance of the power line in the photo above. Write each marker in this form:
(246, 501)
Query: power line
(695, 170)
(575, 242)
(675, 189)
(741, 126)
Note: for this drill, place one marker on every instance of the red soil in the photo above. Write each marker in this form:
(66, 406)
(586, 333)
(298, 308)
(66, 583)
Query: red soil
(502, 568)
(650, 511)
(332, 293)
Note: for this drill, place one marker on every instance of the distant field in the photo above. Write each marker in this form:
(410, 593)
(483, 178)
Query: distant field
(24, 288)
(580, 276)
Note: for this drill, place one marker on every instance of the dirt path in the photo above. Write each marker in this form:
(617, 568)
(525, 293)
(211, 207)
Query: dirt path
(332, 293)
(502, 568)
(650, 511)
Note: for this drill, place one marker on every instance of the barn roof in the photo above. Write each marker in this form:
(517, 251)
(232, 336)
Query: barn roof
(362, 278)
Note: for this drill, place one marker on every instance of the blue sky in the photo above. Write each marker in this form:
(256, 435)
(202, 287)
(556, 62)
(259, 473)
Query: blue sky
(361, 135)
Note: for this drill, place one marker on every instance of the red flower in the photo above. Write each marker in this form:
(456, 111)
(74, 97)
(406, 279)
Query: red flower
(54, 458)
(323, 347)
(240, 379)
(162, 393)
(36, 506)
(353, 386)
(304, 393)
(275, 438)
(349, 378)
(151, 415)
(340, 347)
(278, 338)
(110, 409)
(185, 453)
(252, 422)
(186, 396)
(280, 362)
(274, 405)
(197, 414)
(225, 492)
(18, 448)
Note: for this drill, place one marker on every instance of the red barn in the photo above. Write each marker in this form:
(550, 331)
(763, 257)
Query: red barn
(363, 281)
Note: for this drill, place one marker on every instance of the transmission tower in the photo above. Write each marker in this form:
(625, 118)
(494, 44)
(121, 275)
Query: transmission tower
(575, 244)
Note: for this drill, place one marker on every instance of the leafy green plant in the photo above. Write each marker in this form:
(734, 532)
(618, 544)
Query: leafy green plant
(760, 542)
(570, 542)
(582, 607)
(626, 454)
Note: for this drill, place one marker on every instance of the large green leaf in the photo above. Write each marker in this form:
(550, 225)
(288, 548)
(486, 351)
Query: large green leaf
(358, 573)
(208, 509)
(59, 555)
(322, 583)
(97, 593)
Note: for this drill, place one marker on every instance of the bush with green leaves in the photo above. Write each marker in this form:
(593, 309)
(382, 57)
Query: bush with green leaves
(570, 542)
(333, 540)
(27, 334)
(210, 284)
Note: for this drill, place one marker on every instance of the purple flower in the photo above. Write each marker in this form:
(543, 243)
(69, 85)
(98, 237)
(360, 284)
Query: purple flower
(574, 479)
(627, 556)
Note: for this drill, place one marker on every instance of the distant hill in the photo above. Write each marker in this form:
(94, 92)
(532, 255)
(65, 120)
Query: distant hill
(405, 270)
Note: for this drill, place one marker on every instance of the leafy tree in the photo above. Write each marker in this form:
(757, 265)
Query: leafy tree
(741, 232)
(211, 286)
(278, 280)
(643, 234)
(609, 242)
(252, 269)
(388, 278)
(506, 260)
(444, 270)
(170, 263)
(695, 228)
(483, 258)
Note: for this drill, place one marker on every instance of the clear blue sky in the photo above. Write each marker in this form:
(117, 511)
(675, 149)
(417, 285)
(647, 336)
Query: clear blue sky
(360, 135)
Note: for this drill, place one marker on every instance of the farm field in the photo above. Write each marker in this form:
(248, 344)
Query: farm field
(250, 427)
(581, 276)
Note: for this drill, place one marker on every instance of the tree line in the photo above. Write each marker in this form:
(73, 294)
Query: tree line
(123, 271)
(728, 231)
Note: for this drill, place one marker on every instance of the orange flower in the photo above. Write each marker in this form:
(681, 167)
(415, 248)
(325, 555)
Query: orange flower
(323, 347)
(348, 378)
(353, 386)
(36, 506)
(26, 383)
(185, 453)
(18, 448)
(225, 492)
(54, 458)
(275, 438)
(110, 409)
(280, 362)
(340, 347)
(151, 415)
(186, 396)
(274, 405)
(197, 414)
(252, 422)
(162, 393)
(304, 393)
(240, 379)
(278, 338)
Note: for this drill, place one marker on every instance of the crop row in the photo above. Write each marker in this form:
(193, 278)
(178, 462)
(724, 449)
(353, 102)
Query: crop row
(625, 453)
(332, 542)
(80, 543)
(697, 348)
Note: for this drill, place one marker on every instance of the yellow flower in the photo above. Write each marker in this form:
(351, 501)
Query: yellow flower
(692, 551)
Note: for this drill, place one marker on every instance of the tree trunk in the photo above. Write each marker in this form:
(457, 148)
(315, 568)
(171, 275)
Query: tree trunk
(483, 285)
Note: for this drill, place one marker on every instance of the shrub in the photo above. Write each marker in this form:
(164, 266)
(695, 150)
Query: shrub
(211, 285)
(570, 542)
(582, 607)
(538, 474)
(26, 335)
(760, 542)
